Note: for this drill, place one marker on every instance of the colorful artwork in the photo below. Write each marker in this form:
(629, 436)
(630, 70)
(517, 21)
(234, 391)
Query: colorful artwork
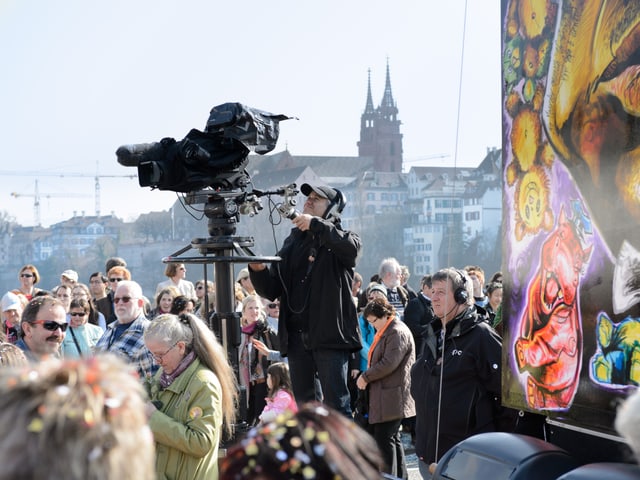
(616, 363)
(549, 344)
(571, 213)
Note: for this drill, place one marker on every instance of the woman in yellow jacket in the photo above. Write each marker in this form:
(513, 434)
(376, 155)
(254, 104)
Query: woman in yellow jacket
(193, 397)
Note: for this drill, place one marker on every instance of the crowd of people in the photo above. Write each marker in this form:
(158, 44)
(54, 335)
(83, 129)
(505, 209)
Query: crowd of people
(329, 371)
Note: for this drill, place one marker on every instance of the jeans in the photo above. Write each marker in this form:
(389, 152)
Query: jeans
(328, 366)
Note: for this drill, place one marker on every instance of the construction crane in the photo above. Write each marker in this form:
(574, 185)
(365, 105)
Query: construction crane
(36, 200)
(96, 178)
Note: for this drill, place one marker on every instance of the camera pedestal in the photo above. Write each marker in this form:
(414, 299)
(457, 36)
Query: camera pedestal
(223, 252)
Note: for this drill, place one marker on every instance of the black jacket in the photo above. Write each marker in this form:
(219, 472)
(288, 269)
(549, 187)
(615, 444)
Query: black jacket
(332, 319)
(105, 306)
(417, 315)
(471, 386)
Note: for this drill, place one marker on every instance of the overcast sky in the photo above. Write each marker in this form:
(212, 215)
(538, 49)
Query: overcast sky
(82, 77)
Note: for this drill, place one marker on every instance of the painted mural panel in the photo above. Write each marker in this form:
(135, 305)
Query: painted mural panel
(571, 149)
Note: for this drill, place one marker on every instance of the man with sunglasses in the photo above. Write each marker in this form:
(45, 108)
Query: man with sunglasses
(124, 337)
(105, 305)
(42, 329)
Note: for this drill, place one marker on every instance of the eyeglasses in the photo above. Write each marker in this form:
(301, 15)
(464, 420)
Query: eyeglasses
(26, 275)
(159, 356)
(77, 314)
(116, 279)
(51, 325)
(273, 305)
(375, 319)
(124, 299)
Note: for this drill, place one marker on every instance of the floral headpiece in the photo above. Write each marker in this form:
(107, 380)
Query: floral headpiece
(297, 448)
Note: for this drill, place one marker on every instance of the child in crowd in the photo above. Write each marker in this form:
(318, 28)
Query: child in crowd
(280, 398)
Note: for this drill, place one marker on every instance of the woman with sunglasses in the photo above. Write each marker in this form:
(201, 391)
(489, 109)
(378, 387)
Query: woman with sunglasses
(82, 336)
(80, 290)
(28, 277)
(193, 396)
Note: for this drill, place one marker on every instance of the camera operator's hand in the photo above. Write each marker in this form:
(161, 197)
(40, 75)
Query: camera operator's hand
(257, 267)
(302, 221)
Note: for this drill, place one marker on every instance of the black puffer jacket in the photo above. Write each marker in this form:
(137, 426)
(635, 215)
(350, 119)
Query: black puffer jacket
(332, 318)
(471, 385)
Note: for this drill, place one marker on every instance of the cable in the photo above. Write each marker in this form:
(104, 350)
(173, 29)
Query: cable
(453, 196)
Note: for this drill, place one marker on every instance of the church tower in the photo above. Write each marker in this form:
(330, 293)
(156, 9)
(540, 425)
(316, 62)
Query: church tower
(380, 135)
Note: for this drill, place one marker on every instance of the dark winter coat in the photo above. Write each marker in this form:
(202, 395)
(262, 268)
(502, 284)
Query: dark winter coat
(332, 319)
(417, 315)
(471, 385)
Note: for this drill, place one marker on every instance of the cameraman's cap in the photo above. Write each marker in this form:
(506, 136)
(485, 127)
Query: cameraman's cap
(321, 190)
(242, 274)
(71, 275)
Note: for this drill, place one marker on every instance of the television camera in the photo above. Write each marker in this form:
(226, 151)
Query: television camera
(209, 167)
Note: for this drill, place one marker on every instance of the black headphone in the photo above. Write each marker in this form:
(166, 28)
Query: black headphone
(461, 296)
(336, 205)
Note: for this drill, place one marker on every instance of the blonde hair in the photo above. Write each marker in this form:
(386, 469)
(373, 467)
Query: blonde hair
(33, 270)
(253, 298)
(192, 330)
(77, 419)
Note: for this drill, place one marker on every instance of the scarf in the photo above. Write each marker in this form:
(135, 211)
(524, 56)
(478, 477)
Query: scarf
(167, 379)
(377, 338)
(249, 329)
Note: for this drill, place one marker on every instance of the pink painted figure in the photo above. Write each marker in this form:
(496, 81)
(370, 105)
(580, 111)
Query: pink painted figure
(549, 346)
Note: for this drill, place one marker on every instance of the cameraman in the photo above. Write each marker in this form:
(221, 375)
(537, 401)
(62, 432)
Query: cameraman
(318, 325)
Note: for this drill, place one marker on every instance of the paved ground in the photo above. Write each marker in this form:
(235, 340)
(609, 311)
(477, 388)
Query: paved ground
(411, 459)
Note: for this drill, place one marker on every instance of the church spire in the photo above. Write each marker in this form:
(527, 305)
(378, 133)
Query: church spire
(380, 137)
(387, 99)
(368, 109)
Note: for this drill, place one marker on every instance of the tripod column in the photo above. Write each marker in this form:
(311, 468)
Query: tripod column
(228, 327)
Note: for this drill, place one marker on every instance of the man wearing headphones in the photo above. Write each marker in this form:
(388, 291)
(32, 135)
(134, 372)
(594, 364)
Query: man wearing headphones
(466, 353)
(318, 324)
